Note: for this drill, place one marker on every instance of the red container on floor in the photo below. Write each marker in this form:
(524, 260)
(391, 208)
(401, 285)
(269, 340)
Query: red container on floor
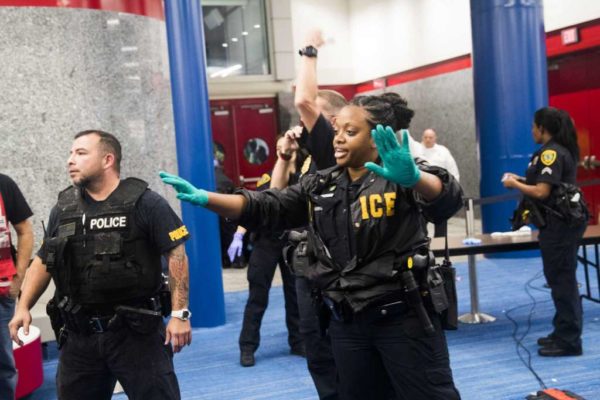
(28, 359)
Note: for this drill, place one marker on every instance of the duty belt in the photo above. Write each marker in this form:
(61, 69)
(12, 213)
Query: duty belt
(86, 321)
(388, 305)
(103, 324)
(92, 325)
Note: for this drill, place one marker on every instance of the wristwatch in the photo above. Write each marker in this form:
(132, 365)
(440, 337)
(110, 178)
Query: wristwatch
(183, 314)
(285, 156)
(308, 51)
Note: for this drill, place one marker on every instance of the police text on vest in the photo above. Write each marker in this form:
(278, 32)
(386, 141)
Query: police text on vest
(119, 221)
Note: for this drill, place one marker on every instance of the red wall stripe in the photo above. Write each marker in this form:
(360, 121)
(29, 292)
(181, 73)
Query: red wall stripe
(589, 36)
(365, 87)
(427, 71)
(442, 67)
(348, 91)
(147, 8)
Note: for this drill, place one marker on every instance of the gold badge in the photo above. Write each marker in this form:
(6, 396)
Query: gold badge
(266, 178)
(548, 157)
(306, 165)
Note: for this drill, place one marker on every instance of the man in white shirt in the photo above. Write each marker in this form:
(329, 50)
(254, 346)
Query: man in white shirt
(439, 155)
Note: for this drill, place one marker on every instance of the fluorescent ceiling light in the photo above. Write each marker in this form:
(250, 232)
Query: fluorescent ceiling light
(225, 3)
(226, 71)
(127, 49)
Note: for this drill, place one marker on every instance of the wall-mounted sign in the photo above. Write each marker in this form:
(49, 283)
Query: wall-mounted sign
(379, 83)
(569, 36)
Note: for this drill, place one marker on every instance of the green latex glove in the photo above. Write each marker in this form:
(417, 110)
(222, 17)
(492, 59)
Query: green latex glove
(398, 164)
(185, 190)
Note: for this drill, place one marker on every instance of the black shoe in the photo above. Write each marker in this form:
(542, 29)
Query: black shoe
(554, 350)
(247, 358)
(298, 351)
(546, 341)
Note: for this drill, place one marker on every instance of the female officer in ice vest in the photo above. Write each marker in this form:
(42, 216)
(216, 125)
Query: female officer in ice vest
(366, 219)
(555, 163)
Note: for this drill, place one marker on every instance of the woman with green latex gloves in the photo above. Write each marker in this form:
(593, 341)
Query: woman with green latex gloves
(368, 250)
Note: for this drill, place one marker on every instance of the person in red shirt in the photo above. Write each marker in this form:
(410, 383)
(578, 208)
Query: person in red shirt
(14, 211)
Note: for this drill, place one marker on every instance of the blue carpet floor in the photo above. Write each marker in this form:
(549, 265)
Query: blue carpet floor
(484, 357)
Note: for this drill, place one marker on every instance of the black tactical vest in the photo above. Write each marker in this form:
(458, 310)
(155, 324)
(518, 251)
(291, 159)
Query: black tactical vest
(101, 256)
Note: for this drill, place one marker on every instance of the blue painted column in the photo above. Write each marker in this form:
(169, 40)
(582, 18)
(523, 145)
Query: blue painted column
(510, 83)
(191, 111)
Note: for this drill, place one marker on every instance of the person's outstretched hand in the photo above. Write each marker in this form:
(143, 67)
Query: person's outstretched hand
(185, 190)
(398, 164)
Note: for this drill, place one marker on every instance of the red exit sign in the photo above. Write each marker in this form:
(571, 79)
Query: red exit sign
(569, 36)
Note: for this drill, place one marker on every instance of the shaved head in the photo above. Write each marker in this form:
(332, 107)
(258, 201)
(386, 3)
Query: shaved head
(429, 138)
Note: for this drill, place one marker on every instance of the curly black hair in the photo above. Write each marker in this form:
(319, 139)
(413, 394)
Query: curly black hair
(388, 109)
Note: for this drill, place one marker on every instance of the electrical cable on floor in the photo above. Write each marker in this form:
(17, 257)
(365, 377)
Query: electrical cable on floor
(519, 341)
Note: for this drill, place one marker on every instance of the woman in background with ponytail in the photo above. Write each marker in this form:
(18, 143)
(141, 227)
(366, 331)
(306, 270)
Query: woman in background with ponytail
(553, 164)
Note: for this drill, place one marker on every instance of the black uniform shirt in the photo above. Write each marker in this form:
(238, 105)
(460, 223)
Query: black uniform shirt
(153, 215)
(319, 143)
(387, 218)
(344, 249)
(17, 209)
(552, 164)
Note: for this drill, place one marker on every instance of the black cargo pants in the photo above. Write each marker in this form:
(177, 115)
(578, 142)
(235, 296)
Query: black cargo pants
(89, 366)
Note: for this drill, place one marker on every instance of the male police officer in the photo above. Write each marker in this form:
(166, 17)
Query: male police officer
(103, 250)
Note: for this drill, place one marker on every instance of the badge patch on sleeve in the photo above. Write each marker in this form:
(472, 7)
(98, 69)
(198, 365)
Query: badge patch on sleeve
(548, 157)
(263, 180)
(178, 233)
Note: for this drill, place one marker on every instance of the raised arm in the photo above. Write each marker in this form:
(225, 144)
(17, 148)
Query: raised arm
(307, 88)
(285, 157)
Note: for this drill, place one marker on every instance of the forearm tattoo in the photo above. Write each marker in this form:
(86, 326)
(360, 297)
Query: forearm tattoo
(179, 278)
